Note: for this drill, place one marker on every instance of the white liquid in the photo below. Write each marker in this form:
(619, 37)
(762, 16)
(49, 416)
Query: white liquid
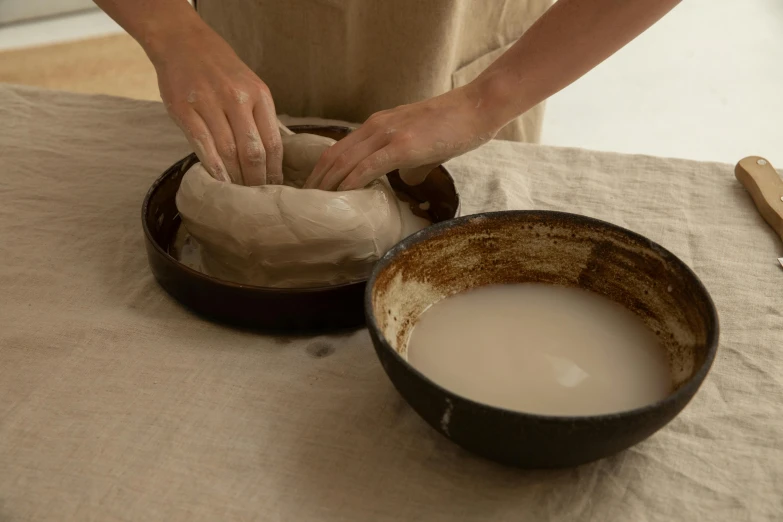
(540, 349)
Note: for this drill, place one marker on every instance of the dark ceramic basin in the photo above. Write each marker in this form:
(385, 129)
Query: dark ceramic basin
(269, 309)
(542, 247)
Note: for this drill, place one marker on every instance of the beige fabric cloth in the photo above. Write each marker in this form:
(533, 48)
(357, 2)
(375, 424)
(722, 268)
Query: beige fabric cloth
(346, 59)
(117, 404)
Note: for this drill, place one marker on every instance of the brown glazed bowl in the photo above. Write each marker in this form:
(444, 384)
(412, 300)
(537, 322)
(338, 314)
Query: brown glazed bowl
(543, 247)
(297, 310)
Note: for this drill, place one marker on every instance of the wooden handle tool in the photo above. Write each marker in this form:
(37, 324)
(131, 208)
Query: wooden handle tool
(766, 188)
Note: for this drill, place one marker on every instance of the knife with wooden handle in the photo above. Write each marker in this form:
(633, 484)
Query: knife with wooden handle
(766, 188)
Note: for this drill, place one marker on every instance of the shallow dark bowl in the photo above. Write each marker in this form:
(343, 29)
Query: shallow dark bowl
(543, 247)
(269, 309)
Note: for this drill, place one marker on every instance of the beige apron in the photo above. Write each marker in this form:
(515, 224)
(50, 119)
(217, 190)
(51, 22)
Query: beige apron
(346, 59)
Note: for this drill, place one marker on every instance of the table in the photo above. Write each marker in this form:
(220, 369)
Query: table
(118, 404)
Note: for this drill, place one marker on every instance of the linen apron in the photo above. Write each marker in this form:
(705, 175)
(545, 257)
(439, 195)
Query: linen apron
(347, 59)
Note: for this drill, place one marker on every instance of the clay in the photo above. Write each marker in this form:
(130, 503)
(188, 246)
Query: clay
(300, 154)
(286, 236)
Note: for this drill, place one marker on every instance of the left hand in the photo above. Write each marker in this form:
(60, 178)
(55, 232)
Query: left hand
(421, 134)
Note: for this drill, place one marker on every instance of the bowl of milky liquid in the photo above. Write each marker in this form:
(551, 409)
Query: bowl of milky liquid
(540, 339)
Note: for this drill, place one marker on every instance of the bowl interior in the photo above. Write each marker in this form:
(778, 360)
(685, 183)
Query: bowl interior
(553, 248)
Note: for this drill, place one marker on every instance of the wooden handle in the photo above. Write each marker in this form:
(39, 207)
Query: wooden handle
(766, 188)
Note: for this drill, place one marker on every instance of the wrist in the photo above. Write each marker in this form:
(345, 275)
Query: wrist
(501, 97)
(167, 31)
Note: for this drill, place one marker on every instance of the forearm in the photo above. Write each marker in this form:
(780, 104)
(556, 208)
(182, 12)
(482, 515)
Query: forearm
(152, 22)
(571, 38)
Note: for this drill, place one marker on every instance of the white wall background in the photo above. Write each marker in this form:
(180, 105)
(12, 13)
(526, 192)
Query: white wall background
(705, 83)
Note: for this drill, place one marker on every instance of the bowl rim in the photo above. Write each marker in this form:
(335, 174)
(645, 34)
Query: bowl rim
(240, 286)
(687, 390)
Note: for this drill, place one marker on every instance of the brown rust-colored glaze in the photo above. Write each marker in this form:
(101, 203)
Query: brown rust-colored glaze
(542, 247)
(270, 309)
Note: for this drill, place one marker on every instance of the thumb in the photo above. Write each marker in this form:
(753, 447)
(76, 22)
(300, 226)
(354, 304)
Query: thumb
(416, 175)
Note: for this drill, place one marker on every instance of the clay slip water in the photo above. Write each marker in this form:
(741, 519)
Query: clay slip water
(540, 349)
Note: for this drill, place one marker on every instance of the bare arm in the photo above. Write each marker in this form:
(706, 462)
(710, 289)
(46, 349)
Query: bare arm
(224, 109)
(150, 22)
(571, 38)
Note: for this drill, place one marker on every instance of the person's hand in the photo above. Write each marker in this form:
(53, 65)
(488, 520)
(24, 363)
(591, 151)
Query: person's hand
(422, 134)
(224, 109)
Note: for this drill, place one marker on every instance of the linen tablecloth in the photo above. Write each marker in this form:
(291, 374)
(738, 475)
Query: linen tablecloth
(118, 404)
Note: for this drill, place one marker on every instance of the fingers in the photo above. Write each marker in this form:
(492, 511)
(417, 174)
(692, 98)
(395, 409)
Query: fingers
(259, 146)
(319, 171)
(250, 149)
(371, 168)
(234, 135)
(417, 175)
(328, 158)
(223, 137)
(347, 161)
(200, 139)
(266, 122)
(225, 109)
(251, 154)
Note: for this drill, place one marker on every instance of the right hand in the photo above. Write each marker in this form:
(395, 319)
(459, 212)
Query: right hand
(224, 109)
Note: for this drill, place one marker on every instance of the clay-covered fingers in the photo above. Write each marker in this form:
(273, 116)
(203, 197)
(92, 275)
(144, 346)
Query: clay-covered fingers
(223, 107)
(381, 145)
(251, 152)
(232, 127)
(371, 168)
(223, 135)
(243, 130)
(416, 175)
(198, 135)
(265, 118)
(336, 154)
(348, 160)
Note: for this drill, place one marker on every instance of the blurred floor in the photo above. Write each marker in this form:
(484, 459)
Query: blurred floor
(705, 83)
(107, 65)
